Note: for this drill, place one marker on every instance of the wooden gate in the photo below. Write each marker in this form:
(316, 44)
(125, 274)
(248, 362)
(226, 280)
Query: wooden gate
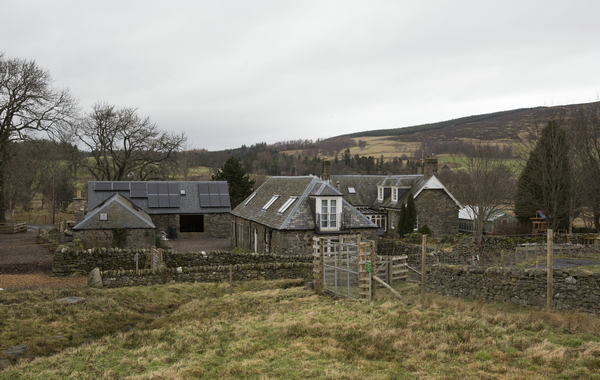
(391, 269)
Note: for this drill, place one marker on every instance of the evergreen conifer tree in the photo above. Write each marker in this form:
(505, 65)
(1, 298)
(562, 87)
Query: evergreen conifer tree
(411, 215)
(401, 220)
(545, 182)
(240, 184)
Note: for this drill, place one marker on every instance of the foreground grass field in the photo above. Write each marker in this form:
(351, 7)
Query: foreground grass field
(276, 330)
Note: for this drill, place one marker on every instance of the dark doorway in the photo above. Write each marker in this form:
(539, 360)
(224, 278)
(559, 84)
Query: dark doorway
(191, 223)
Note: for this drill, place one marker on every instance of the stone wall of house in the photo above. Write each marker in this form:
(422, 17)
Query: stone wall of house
(135, 238)
(217, 226)
(163, 222)
(68, 261)
(283, 242)
(215, 273)
(436, 209)
(573, 289)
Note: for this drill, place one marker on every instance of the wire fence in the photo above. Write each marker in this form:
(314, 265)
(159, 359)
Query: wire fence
(509, 268)
(511, 251)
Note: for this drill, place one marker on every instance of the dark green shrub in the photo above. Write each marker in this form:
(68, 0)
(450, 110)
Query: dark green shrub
(425, 230)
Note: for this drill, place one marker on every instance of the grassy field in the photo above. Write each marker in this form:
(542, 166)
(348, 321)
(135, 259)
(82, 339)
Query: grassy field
(273, 330)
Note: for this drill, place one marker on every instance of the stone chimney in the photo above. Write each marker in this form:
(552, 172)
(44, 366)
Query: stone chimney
(326, 171)
(430, 166)
(78, 205)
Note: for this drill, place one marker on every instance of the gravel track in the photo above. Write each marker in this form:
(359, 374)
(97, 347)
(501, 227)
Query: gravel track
(27, 265)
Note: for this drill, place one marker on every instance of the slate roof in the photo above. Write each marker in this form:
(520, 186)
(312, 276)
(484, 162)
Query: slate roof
(366, 188)
(184, 197)
(300, 215)
(120, 213)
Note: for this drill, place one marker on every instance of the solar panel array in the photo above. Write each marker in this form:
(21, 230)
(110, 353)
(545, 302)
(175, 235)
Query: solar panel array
(167, 194)
(213, 194)
(159, 194)
(163, 194)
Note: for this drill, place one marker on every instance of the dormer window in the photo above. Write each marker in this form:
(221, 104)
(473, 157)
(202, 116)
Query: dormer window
(380, 193)
(329, 213)
(394, 194)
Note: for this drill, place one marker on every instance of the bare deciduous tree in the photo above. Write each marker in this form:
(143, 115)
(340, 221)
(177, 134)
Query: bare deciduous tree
(585, 132)
(124, 146)
(485, 184)
(28, 104)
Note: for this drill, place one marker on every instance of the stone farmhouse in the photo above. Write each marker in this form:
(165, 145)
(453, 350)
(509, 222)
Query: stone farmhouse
(380, 197)
(284, 215)
(195, 209)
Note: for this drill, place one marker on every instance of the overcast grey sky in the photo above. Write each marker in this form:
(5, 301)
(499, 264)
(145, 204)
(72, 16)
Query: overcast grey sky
(240, 72)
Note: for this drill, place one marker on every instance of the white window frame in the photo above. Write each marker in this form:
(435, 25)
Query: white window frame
(380, 220)
(330, 246)
(394, 194)
(329, 221)
(240, 233)
(351, 190)
(416, 228)
(249, 199)
(270, 202)
(103, 216)
(286, 205)
(380, 193)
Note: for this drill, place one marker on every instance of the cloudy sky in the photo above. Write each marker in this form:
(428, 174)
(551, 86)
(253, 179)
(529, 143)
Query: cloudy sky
(229, 73)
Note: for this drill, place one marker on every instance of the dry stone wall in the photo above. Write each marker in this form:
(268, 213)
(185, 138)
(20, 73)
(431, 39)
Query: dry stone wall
(574, 289)
(212, 273)
(68, 261)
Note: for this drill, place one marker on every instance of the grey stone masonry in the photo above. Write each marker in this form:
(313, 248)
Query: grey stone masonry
(67, 261)
(573, 289)
(212, 273)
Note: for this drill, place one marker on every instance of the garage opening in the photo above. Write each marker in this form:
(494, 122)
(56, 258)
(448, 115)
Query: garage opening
(191, 223)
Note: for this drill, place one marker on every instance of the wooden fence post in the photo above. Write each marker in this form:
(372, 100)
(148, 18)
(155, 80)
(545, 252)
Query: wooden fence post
(230, 279)
(318, 269)
(363, 281)
(423, 259)
(372, 258)
(549, 268)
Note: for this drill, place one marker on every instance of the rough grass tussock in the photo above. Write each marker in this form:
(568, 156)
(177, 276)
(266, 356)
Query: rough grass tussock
(264, 331)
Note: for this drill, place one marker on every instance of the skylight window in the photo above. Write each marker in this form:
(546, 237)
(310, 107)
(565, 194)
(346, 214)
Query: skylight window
(351, 190)
(286, 205)
(249, 199)
(270, 202)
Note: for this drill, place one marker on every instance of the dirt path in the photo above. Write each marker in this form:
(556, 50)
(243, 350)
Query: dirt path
(27, 265)
(20, 254)
(39, 280)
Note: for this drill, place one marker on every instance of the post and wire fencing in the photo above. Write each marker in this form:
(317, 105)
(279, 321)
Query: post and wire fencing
(543, 272)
